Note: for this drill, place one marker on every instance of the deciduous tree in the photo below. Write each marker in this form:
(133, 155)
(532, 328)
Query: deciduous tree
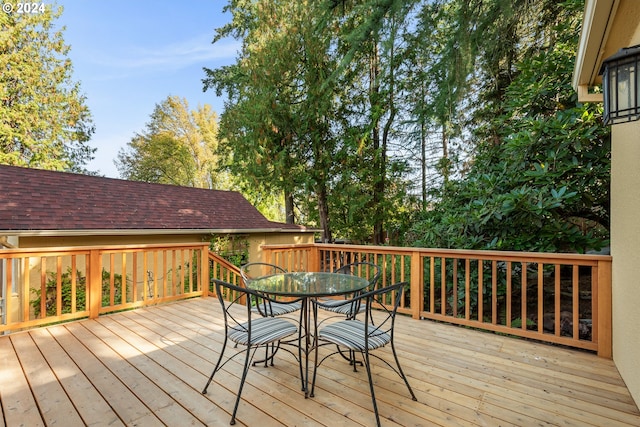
(179, 146)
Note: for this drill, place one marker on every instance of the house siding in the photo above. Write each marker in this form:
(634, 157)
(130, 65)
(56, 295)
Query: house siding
(625, 250)
(609, 26)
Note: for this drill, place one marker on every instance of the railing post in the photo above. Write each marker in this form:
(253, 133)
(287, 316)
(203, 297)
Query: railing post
(314, 258)
(95, 283)
(266, 253)
(605, 341)
(204, 271)
(417, 299)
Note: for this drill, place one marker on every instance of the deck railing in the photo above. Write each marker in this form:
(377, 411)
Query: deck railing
(557, 298)
(47, 285)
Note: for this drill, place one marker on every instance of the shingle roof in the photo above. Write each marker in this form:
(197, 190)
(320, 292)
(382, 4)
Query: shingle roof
(33, 199)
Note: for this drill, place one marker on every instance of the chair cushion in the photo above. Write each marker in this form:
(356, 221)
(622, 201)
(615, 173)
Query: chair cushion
(333, 305)
(350, 334)
(264, 330)
(278, 308)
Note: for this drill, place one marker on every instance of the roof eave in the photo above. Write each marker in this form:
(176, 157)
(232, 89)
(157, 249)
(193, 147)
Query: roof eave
(597, 22)
(608, 26)
(143, 232)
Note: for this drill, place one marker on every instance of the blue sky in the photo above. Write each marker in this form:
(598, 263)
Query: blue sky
(130, 55)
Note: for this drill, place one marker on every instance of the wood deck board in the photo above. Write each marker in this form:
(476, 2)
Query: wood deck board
(205, 346)
(277, 382)
(148, 367)
(492, 377)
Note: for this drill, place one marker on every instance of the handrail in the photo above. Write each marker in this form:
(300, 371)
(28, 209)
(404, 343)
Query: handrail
(49, 285)
(223, 270)
(557, 298)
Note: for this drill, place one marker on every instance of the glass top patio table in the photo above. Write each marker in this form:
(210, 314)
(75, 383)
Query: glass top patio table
(309, 284)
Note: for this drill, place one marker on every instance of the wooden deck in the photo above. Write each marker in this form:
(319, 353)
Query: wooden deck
(146, 368)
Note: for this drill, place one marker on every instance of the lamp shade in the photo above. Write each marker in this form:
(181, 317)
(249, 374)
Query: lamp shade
(621, 86)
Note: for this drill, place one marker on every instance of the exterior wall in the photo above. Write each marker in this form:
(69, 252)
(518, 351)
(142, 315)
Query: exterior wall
(256, 241)
(64, 241)
(624, 28)
(625, 250)
(625, 231)
(609, 26)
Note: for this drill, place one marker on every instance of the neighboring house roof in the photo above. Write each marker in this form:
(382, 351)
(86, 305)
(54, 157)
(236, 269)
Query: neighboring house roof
(39, 202)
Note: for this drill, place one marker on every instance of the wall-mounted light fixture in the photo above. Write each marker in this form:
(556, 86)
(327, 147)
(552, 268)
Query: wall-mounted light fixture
(621, 86)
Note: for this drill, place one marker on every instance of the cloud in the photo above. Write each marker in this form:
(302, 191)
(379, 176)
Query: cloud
(174, 56)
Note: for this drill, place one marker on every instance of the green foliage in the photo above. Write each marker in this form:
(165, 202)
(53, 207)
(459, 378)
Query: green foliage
(304, 124)
(276, 122)
(517, 323)
(179, 147)
(234, 249)
(337, 107)
(44, 122)
(542, 182)
(81, 292)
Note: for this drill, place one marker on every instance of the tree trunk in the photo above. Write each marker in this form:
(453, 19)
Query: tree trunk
(379, 178)
(445, 154)
(288, 208)
(323, 211)
(423, 154)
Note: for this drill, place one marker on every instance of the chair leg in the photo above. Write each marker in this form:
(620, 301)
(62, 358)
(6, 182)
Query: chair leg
(316, 346)
(224, 347)
(273, 353)
(269, 355)
(315, 370)
(353, 361)
(305, 319)
(244, 376)
(266, 357)
(365, 356)
(401, 372)
(350, 357)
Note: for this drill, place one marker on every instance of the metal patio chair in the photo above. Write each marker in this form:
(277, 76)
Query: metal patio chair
(252, 333)
(275, 307)
(355, 269)
(271, 307)
(365, 337)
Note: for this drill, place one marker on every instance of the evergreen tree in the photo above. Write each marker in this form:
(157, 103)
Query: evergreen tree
(539, 176)
(44, 122)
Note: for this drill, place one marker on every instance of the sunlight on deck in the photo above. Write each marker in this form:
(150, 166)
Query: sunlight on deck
(148, 366)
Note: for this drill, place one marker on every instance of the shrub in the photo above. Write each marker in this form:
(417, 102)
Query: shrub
(81, 292)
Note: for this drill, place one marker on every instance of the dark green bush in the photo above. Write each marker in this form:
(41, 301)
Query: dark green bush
(81, 292)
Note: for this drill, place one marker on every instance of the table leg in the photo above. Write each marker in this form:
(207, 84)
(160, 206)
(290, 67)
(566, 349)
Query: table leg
(310, 345)
(307, 345)
(315, 345)
(305, 326)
